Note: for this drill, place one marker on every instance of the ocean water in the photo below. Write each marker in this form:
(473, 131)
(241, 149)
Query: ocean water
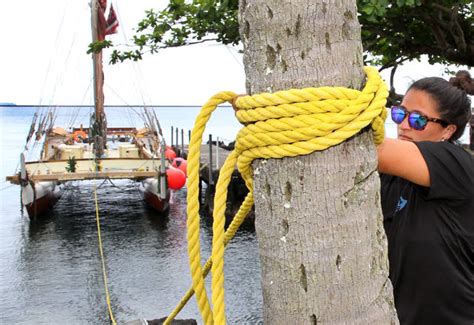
(50, 269)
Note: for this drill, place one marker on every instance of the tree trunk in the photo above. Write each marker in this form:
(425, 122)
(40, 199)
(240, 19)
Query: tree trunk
(318, 218)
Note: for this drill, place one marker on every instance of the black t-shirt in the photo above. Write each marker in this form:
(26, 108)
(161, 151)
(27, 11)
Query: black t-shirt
(430, 233)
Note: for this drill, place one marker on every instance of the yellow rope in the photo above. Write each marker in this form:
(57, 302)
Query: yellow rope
(101, 251)
(283, 124)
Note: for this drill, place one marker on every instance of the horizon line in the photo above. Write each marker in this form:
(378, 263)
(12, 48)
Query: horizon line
(109, 105)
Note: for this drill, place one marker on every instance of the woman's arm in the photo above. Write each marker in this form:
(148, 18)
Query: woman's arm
(404, 159)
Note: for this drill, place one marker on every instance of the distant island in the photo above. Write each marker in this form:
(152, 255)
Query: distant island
(7, 104)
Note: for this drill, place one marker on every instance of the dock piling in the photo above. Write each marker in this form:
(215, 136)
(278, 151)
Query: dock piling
(172, 132)
(182, 142)
(211, 181)
(177, 139)
(217, 153)
(211, 161)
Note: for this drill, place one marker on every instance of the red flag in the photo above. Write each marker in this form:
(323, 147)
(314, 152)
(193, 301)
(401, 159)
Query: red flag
(112, 22)
(109, 26)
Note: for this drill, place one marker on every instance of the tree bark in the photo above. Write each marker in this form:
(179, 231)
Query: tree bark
(322, 245)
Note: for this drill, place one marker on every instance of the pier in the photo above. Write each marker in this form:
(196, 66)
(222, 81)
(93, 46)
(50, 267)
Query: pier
(213, 155)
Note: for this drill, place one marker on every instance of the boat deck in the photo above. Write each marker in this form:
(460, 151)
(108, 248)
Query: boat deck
(114, 168)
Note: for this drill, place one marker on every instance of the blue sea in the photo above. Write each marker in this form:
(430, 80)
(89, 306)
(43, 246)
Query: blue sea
(50, 269)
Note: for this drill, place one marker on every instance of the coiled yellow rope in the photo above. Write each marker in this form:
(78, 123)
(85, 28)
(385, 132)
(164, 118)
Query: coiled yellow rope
(283, 124)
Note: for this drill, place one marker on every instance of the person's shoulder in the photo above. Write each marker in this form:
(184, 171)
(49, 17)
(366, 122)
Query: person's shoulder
(446, 150)
(451, 169)
(440, 145)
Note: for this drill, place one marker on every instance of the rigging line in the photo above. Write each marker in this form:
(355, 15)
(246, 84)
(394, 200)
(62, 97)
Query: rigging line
(67, 187)
(49, 121)
(33, 150)
(137, 192)
(68, 190)
(33, 124)
(132, 121)
(48, 69)
(138, 76)
(41, 118)
(54, 115)
(101, 252)
(118, 95)
(238, 60)
(70, 116)
(127, 112)
(147, 119)
(60, 78)
(7, 187)
(103, 182)
(158, 124)
(123, 188)
(76, 111)
(17, 167)
(130, 116)
(74, 116)
(31, 131)
(91, 122)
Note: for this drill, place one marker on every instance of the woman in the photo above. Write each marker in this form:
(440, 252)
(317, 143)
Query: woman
(428, 204)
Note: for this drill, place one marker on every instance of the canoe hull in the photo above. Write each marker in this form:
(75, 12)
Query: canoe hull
(39, 198)
(149, 190)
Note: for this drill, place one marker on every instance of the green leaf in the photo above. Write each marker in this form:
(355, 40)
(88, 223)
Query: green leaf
(391, 29)
(368, 10)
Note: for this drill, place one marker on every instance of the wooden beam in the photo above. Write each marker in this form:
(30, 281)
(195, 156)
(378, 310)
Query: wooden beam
(85, 176)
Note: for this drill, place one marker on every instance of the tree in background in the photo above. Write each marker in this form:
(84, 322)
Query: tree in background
(392, 31)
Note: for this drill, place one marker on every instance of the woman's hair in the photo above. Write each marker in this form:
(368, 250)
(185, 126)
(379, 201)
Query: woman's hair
(454, 105)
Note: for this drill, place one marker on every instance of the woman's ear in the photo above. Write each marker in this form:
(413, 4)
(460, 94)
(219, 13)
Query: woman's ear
(449, 131)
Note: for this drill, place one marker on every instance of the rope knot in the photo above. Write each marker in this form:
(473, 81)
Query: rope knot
(300, 121)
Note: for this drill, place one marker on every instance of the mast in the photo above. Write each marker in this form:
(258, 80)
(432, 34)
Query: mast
(98, 120)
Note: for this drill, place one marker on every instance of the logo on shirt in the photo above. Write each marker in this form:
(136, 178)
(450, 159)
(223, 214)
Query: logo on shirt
(401, 204)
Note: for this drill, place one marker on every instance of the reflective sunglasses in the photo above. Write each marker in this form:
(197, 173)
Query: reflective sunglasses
(416, 120)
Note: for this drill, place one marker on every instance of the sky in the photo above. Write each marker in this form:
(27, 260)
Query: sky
(43, 60)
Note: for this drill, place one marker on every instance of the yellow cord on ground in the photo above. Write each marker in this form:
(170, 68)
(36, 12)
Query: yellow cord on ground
(282, 124)
(102, 258)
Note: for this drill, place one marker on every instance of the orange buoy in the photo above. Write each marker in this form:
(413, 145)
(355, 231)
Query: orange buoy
(176, 178)
(170, 154)
(79, 136)
(181, 164)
